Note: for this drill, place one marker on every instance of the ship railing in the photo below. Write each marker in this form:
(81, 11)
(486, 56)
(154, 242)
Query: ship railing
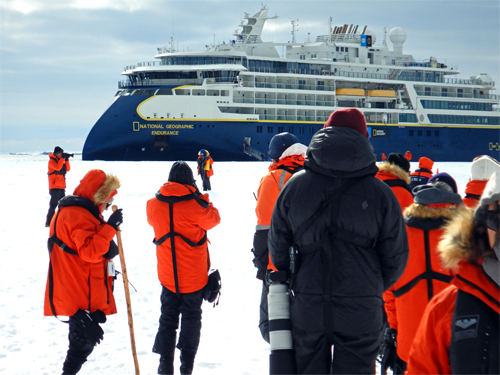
(149, 63)
(289, 86)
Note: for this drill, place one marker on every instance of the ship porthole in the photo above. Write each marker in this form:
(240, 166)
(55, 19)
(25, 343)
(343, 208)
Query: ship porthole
(421, 118)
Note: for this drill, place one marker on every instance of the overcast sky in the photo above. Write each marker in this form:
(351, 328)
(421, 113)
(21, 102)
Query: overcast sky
(60, 60)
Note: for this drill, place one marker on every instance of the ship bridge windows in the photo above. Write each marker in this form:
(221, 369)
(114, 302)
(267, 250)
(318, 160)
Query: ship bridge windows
(203, 60)
(197, 92)
(168, 75)
(220, 75)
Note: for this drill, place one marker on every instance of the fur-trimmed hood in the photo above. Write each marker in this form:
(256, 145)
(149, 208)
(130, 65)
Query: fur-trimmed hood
(420, 211)
(97, 186)
(457, 243)
(394, 170)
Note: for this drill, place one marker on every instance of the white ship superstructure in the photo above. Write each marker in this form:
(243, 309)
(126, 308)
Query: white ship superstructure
(247, 81)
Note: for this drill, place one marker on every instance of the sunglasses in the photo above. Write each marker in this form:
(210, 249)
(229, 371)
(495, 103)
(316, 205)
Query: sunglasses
(491, 219)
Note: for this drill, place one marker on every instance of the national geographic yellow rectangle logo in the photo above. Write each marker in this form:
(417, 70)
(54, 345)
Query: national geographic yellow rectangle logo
(136, 126)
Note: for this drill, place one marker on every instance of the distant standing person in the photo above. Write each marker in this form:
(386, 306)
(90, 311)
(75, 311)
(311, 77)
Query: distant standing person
(205, 170)
(350, 238)
(408, 155)
(58, 166)
(181, 217)
(422, 173)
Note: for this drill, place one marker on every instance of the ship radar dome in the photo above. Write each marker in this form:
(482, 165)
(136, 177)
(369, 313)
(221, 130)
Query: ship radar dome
(397, 35)
(372, 33)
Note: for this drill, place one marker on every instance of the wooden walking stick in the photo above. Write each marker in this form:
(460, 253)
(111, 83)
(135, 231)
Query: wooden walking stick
(127, 296)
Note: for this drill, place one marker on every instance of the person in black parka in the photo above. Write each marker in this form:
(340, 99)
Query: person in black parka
(353, 250)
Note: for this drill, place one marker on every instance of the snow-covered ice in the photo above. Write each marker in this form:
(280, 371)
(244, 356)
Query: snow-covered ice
(230, 339)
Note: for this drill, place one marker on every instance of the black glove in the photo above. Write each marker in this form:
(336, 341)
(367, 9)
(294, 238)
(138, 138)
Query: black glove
(116, 218)
(112, 251)
(389, 354)
(88, 325)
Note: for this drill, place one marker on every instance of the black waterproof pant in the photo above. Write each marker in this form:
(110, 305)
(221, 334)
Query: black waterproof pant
(189, 305)
(352, 354)
(206, 180)
(79, 349)
(55, 196)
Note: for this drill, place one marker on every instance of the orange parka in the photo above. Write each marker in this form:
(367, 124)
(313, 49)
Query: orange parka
(431, 350)
(406, 300)
(473, 192)
(57, 172)
(81, 281)
(398, 180)
(270, 187)
(191, 220)
(408, 155)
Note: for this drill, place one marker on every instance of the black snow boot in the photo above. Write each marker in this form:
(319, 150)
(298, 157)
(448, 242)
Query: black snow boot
(187, 362)
(166, 365)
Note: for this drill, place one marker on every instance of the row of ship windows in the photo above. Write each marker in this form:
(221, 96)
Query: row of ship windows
(464, 106)
(290, 129)
(452, 119)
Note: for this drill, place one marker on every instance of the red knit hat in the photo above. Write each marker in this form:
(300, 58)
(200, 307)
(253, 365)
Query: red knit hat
(348, 118)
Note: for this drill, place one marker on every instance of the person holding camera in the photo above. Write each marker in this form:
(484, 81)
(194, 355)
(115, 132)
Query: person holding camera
(81, 273)
(181, 216)
(287, 157)
(344, 231)
(58, 166)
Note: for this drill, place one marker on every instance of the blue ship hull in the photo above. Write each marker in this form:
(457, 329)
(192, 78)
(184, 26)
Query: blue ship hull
(122, 135)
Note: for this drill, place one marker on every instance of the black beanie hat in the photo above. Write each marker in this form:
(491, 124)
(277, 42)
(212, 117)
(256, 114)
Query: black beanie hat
(58, 150)
(400, 161)
(181, 173)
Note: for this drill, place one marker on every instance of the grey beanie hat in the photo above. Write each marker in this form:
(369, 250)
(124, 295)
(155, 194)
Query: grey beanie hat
(491, 192)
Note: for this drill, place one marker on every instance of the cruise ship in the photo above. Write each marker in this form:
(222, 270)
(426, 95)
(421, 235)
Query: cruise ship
(233, 97)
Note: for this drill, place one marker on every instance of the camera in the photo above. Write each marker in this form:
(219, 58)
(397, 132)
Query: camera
(282, 358)
(67, 156)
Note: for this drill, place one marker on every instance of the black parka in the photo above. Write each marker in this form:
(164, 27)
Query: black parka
(369, 209)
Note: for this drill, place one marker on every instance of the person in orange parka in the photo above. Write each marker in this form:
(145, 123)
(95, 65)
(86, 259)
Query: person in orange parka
(287, 157)
(395, 173)
(459, 332)
(383, 157)
(481, 169)
(205, 169)
(58, 166)
(181, 217)
(408, 155)
(424, 276)
(80, 247)
(422, 174)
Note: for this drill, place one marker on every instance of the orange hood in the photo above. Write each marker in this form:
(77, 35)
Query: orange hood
(97, 186)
